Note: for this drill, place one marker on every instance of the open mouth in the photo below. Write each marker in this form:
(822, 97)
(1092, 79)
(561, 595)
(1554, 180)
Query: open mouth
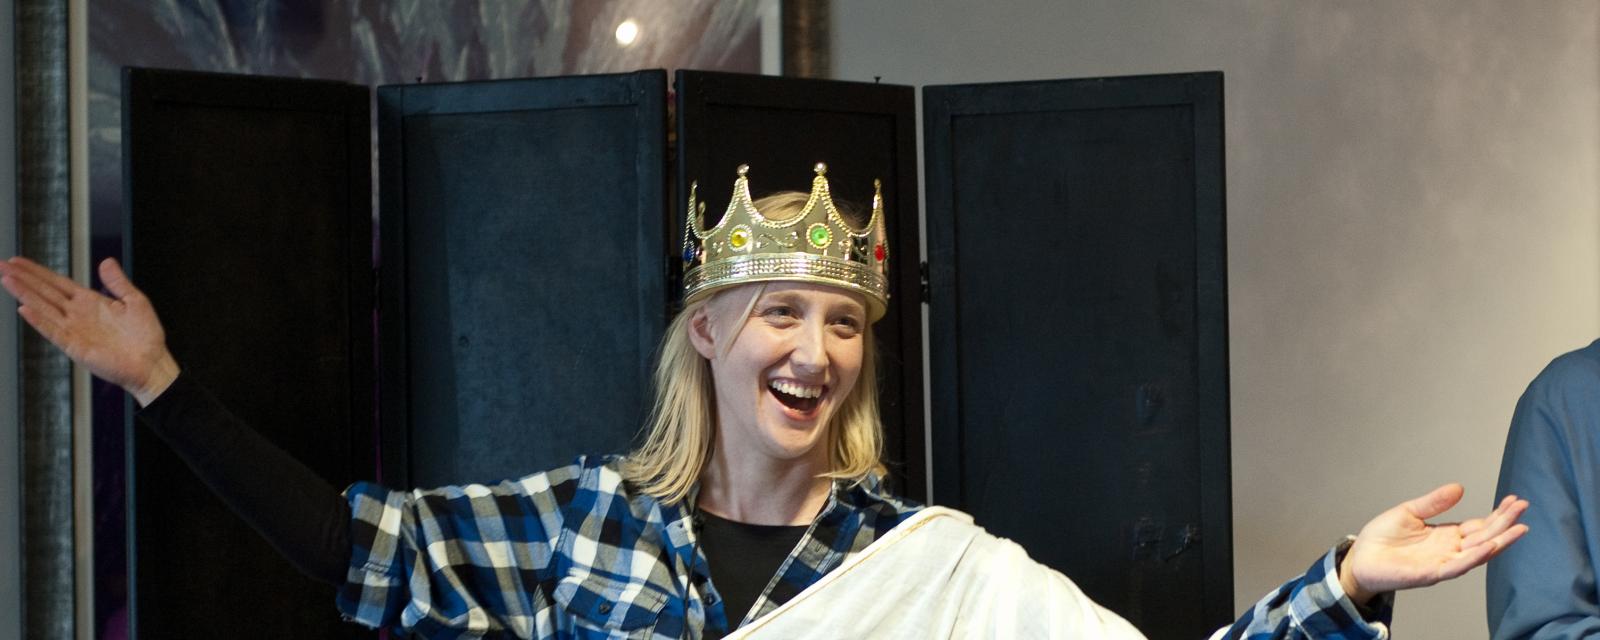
(800, 397)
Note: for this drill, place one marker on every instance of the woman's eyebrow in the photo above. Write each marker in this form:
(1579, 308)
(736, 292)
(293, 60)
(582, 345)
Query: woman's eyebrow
(851, 307)
(792, 298)
(787, 297)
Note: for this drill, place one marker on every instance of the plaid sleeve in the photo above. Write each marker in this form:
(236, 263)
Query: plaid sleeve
(453, 561)
(1313, 606)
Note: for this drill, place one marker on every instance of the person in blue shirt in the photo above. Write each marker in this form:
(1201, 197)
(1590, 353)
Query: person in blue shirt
(1544, 587)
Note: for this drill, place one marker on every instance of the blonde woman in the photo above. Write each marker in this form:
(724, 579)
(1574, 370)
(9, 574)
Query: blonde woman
(758, 476)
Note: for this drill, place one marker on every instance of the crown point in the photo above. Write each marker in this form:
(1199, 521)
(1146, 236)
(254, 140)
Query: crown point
(743, 169)
(877, 184)
(821, 168)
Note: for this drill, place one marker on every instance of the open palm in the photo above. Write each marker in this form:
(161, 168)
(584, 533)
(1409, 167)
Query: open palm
(118, 338)
(1400, 550)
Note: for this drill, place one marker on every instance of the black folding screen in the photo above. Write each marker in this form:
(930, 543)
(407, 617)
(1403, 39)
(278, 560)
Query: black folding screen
(781, 127)
(527, 267)
(249, 226)
(1079, 333)
(523, 271)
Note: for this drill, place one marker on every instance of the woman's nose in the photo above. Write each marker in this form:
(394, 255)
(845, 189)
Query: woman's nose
(810, 350)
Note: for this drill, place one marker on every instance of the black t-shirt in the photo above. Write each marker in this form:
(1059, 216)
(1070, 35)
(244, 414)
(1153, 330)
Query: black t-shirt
(744, 558)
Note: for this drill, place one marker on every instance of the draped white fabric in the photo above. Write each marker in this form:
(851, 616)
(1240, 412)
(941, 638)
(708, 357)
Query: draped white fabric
(938, 575)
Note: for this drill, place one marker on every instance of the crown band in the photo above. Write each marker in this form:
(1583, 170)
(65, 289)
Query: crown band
(801, 267)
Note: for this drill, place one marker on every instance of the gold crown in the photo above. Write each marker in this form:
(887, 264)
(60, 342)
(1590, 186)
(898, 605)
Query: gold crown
(817, 245)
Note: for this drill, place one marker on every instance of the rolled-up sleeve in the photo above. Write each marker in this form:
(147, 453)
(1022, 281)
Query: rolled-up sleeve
(453, 562)
(374, 591)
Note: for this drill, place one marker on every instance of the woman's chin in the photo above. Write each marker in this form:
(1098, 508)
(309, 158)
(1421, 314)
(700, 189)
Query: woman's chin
(794, 440)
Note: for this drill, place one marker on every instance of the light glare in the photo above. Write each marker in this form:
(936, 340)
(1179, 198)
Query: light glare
(627, 32)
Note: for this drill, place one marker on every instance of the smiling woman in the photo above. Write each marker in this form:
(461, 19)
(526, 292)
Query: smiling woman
(758, 483)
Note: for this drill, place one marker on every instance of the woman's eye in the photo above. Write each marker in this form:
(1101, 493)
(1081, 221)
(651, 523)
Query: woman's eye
(848, 323)
(779, 312)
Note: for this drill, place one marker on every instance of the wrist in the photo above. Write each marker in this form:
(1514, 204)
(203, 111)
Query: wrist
(161, 376)
(1347, 581)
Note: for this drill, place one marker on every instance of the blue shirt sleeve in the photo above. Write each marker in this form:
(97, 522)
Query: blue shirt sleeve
(1543, 586)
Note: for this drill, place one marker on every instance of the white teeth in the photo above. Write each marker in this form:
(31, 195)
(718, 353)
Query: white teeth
(796, 389)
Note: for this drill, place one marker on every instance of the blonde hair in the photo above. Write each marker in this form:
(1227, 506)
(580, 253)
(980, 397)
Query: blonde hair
(681, 431)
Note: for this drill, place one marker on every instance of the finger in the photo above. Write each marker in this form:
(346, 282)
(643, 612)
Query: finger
(1496, 524)
(41, 289)
(1471, 558)
(1469, 527)
(46, 327)
(1465, 561)
(1474, 525)
(48, 278)
(30, 298)
(116, 281)
(1505, 539)
(1435, 502)
(38, 279)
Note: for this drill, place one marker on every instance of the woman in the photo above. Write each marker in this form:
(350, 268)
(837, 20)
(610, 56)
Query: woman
(759, 474)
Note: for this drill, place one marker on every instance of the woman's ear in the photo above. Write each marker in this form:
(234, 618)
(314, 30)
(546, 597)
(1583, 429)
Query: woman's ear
(700, 333)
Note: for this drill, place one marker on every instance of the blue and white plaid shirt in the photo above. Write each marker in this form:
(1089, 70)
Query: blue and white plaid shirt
(572, 553)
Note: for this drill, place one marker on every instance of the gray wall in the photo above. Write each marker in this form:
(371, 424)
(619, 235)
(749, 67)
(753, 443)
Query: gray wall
(1412, 231)
(10, 481)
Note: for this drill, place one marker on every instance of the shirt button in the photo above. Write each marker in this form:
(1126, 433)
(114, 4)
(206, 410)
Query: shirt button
(605, 607)
(711, 599)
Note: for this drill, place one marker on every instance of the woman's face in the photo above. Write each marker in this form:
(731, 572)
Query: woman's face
(793, 360)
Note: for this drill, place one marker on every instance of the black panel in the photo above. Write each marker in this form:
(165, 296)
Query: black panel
(781, 127)
(1079, 333)
(523, 295)
(249, 226)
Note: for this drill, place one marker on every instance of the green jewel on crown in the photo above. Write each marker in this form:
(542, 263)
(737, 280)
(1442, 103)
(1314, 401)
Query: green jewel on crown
(818, 245)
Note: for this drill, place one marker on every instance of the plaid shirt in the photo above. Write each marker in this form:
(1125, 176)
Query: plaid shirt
(570, 553)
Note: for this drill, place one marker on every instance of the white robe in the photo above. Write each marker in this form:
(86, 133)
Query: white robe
(938, 575)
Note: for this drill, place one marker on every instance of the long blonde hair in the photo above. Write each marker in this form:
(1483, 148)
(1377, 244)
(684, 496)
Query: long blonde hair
(681, 431)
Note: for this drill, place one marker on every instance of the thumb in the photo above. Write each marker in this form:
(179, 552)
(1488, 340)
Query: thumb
(1435, 502)
(115, 280)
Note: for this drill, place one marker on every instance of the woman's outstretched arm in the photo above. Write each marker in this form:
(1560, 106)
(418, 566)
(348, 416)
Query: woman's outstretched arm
(120, 339)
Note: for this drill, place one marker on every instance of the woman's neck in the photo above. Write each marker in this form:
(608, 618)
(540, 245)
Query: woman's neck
(786, 493)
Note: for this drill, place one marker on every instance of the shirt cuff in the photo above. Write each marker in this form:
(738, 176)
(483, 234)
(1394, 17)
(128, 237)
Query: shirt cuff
(1325, 611)
(179, 395)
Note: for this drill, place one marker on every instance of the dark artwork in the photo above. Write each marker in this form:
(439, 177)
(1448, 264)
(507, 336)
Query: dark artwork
(370, 44)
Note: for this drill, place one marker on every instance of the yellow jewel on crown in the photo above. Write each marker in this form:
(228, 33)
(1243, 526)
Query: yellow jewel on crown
(818, 245)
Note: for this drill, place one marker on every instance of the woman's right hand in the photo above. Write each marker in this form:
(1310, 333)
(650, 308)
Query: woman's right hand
(118, 338)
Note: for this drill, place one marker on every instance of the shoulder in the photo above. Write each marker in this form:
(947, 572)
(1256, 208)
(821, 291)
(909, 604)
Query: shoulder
(880, 509)
(586, 480)
(1566, 392)
(561, 485)
(1575, 371)
(1559, 413)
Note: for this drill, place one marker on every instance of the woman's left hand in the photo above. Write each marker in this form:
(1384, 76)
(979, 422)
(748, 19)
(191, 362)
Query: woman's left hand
(1400, 550)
